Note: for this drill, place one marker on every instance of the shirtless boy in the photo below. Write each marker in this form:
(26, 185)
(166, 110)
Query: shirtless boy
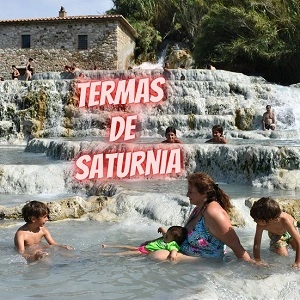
(217, 135)
(171, 137)
(281, 227)
(29, 236)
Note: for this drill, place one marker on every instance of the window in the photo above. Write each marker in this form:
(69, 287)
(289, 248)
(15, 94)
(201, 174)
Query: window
(25, 41)
(82, 42)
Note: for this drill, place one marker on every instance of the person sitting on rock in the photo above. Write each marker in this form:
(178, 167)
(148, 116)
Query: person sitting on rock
(209, 66)
(29, 69)
(268, 121)
(167, 73)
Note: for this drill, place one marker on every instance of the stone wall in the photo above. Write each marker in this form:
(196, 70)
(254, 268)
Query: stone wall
(54, 44)
(125, 48)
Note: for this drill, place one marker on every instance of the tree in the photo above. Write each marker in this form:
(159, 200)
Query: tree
(248, 36)
(252, 37)
(156, 20)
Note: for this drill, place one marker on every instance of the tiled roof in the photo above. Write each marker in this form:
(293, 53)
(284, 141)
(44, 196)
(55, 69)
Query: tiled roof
(74, 18)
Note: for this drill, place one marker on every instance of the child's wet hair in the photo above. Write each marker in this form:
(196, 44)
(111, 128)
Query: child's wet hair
(170, 129)
(35, 209)
(179, 234)
(265, 209)
(218, 128)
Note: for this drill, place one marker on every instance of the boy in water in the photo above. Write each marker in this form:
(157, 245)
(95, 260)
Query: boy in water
(29, 236)
(171, 241)
(171, 137)
(281, 227)
(217, 133)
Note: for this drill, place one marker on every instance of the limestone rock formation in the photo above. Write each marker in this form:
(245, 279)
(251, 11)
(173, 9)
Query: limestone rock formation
(69, 208)
(236, 218)
(244, 118)
(179, 58)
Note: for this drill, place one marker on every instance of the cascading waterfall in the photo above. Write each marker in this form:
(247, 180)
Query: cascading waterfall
(255, 163)
(193, 106)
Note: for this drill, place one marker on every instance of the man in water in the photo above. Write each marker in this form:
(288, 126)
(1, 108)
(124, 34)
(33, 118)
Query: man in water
(268, 121)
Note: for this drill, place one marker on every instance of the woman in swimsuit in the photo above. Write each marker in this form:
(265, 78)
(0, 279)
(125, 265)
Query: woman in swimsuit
(209, 227)
(15, 73)
(29, 69)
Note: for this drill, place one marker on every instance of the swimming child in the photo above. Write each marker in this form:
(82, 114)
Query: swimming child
(171, 241)
(217, 133)
(281, 227)
(170, 135)
(29, 236)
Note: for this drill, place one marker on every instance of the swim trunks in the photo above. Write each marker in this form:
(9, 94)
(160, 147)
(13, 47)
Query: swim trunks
(269, 126)
(143, 249)
(279, 241)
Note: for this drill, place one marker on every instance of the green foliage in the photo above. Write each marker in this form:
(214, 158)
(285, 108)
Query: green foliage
(253, 38)
(147, 42)
(230, 34)
(187, 18)
(156, 20)
(247, 36)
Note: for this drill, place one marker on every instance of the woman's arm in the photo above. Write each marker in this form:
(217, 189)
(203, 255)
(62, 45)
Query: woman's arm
(219, 225)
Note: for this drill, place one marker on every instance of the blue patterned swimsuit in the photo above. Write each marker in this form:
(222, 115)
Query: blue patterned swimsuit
(200, 242)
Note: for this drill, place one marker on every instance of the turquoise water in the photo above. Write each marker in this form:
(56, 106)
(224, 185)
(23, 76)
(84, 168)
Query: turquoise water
(15, 155)
(85, 273)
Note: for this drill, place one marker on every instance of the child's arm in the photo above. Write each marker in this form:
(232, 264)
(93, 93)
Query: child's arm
(173, 254)
(48, 237)
(257, 243)
(19, 242)
(162, 230)
(51, 241)
(223, 140)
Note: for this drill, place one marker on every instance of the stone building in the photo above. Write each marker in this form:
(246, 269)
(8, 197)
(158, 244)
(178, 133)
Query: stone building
(105, 41)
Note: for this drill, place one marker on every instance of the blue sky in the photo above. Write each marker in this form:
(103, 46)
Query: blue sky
(24, 9)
